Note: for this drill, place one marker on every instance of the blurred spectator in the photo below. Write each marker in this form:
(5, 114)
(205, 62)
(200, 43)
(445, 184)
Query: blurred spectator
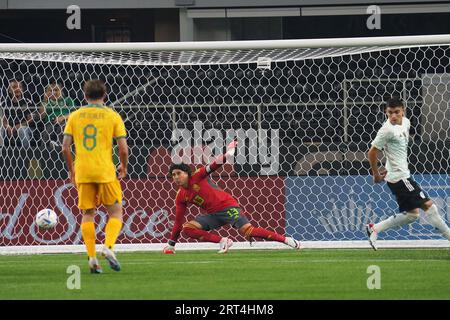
(54, 112)
(18, 120)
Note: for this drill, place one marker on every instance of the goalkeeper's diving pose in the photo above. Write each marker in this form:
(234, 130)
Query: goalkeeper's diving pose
(221, 208)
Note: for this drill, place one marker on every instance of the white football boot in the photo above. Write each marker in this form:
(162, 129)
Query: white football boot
(225, 245)
(373, 236)
(291, 242)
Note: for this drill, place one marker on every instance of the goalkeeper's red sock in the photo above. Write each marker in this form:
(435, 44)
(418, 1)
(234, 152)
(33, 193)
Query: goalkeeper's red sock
(265, 234)
(201, 235)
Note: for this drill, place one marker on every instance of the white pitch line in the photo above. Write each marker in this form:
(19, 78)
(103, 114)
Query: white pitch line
(287, 261)
(222, 259)
(278, 261)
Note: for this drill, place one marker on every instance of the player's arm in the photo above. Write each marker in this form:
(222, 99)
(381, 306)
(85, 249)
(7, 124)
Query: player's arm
(178, 225)
(120, 135)
(378, 144)
(123, 156)
(67, 148)
(219, 161)
(67, 152)
(378, 176)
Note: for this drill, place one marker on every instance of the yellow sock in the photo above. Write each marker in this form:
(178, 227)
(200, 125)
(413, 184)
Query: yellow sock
(88, 233)
(112, 231)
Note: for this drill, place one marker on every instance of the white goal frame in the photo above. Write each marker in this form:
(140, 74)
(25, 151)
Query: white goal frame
(380, 42)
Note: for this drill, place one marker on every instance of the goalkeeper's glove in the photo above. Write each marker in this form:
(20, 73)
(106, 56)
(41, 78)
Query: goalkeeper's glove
(170, 248)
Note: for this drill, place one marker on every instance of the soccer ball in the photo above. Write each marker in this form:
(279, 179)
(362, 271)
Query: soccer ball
(46, 219)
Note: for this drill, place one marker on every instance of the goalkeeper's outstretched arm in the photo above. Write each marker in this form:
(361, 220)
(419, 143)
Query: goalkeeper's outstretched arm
(219, 161)
(177, 227)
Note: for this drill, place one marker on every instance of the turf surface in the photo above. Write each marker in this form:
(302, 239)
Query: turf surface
(257, 274)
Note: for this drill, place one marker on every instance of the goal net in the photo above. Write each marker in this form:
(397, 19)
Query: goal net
(303, 111)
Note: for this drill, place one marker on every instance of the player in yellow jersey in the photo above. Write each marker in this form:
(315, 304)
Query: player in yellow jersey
(92, 129)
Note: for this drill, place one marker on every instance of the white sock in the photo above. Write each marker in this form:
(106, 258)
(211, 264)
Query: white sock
(396, 220)
(435, 219)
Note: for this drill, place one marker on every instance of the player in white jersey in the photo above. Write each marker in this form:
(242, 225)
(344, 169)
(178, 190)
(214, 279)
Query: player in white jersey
(393, 139)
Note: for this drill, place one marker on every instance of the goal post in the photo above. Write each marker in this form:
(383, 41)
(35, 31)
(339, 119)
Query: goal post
(303, 111)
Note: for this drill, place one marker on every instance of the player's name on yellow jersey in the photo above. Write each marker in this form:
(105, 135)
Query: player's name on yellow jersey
(88, 115)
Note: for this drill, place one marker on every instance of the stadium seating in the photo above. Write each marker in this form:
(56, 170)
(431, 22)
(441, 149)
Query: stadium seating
(305, 101)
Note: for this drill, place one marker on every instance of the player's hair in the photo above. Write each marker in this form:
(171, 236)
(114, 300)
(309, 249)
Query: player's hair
(94, 89)
(180, 166)
(393, 103)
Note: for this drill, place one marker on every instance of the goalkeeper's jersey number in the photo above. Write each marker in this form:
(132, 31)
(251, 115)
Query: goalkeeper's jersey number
(198, 200)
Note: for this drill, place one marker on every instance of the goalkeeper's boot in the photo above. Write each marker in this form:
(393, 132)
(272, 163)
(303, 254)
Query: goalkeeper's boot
(225, 244)
(373, 235)
(251, 240)
(111, 257)
(94, 266)
(291, 242)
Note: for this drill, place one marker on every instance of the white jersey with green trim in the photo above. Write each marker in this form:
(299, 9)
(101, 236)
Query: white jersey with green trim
(393, 140)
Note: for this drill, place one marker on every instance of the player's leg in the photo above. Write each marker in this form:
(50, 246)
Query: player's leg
(394, 221)
(199, 229)
(112, 231)
(397, 220)
(89, 237)
(110, 194)
(196, 229)
(238, 220)
(86, 202)
(114, 225)
(410, 199)
(435, 219)
(249, 231)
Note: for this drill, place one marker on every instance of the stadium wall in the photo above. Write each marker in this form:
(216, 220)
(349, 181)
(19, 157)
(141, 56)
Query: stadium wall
(316, 209)
(149, 210)
(336, 208)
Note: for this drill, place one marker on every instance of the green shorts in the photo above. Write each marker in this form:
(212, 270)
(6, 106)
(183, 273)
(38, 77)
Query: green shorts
(232, 216)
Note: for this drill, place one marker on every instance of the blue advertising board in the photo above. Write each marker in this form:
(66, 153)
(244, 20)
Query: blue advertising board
(339, 207)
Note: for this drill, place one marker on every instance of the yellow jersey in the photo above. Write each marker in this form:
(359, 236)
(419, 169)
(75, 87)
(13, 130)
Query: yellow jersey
(93, 128)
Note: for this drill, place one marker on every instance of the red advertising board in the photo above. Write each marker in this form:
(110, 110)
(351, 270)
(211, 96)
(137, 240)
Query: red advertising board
(149, 209)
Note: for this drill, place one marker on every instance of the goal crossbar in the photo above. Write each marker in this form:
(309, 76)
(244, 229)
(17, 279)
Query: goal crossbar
(226, 45)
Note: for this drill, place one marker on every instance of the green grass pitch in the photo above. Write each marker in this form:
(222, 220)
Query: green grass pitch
(255, 274)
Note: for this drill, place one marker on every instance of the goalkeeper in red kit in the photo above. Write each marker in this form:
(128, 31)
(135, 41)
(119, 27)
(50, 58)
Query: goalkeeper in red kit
(221, 208)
